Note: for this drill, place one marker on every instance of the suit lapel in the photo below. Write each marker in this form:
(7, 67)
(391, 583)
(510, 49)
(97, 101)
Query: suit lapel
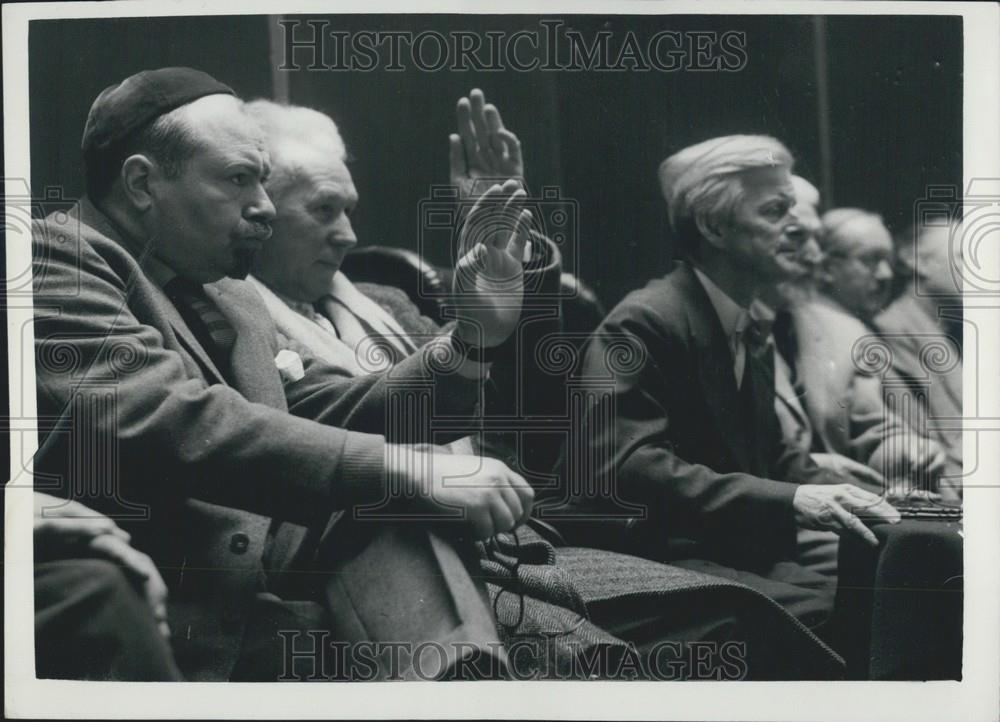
(715, 365)
(252, 362)
(186, 336)
(92, 217)
(785, 392)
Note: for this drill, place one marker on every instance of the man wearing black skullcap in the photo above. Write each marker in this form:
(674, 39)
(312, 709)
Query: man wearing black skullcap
(181, 412)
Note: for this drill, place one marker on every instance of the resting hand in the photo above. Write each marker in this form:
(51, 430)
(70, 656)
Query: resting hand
(489, 278)
(833, 507)
(490, 497)
(483, 151)
(64, 528)
(916, 465)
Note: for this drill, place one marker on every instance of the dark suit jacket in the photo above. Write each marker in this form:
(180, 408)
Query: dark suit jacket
(140, 424)
(711, 484)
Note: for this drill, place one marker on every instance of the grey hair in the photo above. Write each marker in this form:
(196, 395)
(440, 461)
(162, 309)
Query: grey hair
(295, 127)
(701, 182)
(836, 221)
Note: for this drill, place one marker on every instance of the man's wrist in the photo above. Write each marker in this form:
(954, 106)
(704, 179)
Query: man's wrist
(473, 366)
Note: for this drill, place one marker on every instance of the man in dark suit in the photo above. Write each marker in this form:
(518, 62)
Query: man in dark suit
(179, 411)
(690, 434)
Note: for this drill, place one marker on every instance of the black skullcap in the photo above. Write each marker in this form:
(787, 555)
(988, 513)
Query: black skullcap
(123, 108)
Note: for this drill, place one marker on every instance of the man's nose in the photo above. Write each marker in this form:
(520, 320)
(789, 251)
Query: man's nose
(343, 234)
(883, 272)
(810, 252)
(261, 208)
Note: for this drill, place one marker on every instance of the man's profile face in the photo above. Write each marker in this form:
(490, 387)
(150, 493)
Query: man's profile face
(756, 231)
(803, 234)
(939, 259)
(312, 231)
(858, 270)
(211, 219)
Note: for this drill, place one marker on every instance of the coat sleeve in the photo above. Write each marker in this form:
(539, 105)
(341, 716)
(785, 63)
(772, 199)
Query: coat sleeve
(690, 499)
(107, 383)
(421, 400)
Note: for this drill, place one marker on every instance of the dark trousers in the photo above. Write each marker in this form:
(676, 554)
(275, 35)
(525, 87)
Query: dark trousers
(92, 623)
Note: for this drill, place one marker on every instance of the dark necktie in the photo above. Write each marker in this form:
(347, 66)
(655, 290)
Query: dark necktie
(757, 391)
(207, 323)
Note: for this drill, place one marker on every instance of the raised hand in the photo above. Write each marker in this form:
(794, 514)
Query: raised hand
(483, 152)
(489, 280)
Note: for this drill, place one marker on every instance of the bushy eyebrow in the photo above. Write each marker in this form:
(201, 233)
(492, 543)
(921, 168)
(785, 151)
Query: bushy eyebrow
(780, 195)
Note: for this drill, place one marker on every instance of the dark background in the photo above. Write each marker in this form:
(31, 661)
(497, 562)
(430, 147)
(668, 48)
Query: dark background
(894, 121)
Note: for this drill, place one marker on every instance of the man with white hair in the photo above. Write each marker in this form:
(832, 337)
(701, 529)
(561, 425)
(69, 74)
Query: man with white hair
(694, 438)
(310, 299)
(298, 272)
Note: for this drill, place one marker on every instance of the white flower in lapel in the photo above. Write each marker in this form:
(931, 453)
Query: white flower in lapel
(289, 366)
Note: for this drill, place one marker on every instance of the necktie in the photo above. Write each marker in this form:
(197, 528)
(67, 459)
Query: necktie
(213, 329)
(353, 329)
(756, 337)
(757, 391)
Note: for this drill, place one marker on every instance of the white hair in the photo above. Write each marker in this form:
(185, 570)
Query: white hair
(835, 234)
(291, 132)
(701, 182)
(805, 192)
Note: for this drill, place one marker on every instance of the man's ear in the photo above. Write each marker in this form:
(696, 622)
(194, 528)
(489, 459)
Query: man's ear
(135, 177)
(711, 231)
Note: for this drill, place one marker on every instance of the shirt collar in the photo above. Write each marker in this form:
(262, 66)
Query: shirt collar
(732, 316)
(300, 307)
(760, 311)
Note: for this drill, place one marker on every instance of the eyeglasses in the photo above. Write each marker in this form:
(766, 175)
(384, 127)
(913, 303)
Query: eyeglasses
(502, 564)
(871, 261)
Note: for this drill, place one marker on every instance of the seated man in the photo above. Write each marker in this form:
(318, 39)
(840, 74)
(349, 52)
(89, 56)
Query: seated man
(844, 397)
(100, 605)
(690, 433)
(311, 300)
(817, 550)
(371, 327)
(225, 468)
(927, 315)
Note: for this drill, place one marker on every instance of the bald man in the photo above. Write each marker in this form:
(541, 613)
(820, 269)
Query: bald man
(844, 399)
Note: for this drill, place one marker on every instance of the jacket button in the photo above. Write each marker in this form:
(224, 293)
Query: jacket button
(239, 543)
